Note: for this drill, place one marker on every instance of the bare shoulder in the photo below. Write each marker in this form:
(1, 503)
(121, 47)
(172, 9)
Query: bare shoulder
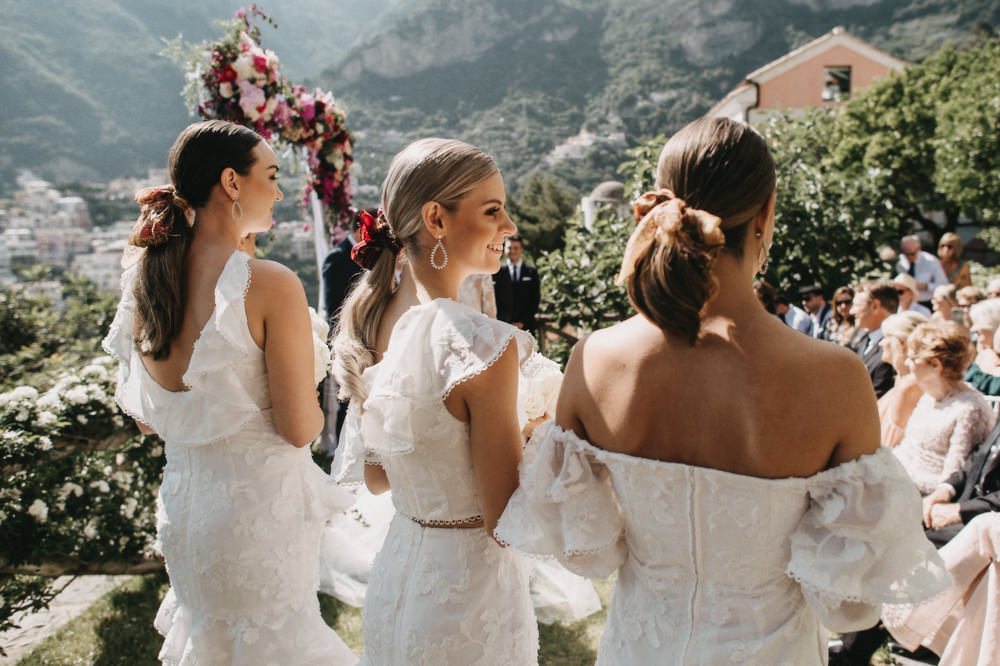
(270, 279)
(602, 358)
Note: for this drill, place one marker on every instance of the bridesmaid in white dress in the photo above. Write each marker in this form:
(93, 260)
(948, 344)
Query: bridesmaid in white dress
(725, 465)
(435, 415)
(205, 337)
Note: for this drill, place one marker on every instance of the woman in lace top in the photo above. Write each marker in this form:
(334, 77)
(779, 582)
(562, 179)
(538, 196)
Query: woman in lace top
(435, 415)
(951, 417)
(203, 349)
(697, 451)
(895, 407)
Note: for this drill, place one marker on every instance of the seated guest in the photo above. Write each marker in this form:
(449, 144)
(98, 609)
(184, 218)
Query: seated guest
(951, 416)
(950, 256)
(792, 315)
(984, 373)
(820, 312)
(993, 289)
(961, 625)
(895, 407)
(970, 491)
(906, 288)
(840, 327)
(873, 302)
(765, 294)
(945, 306)
(967, 297)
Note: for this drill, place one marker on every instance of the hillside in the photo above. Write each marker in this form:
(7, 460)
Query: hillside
(562, 86)
(565, 86)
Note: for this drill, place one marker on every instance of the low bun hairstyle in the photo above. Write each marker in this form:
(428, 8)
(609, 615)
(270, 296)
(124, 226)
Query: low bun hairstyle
(441, 170)
(718, 166)
(197, 159)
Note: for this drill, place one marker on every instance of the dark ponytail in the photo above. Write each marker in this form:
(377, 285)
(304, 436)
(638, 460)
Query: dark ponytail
(165, 225)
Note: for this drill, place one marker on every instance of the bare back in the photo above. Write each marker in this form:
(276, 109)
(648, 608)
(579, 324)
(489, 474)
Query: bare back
(756, 399)
(201, 272)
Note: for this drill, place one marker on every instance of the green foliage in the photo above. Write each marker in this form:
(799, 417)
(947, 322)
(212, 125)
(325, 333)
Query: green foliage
(927, 140)
(578, 289)
(826, 231)
(541, 213)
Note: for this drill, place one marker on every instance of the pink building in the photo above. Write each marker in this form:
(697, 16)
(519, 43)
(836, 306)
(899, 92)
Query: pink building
(822, 73)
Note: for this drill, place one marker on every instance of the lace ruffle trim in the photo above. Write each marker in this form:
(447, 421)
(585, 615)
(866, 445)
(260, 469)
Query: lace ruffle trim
(475, 372)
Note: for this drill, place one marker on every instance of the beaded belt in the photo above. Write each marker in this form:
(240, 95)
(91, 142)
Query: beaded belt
(464, 523)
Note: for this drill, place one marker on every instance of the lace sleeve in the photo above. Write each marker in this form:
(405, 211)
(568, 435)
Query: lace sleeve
(860, 544)
(565, 506)
(971, 427)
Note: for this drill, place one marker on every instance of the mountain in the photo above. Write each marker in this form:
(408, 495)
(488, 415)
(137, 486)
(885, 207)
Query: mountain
(561, 86)
(565, 86)
(87, 95)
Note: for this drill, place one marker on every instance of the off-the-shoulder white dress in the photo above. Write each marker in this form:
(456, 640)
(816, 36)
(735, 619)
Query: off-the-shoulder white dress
(720, 568)
(439, 596)
(240, 510)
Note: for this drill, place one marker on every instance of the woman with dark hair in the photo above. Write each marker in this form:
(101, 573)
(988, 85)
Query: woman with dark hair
(697, 451)
(840, 327)
(439, 399)
(216, 357)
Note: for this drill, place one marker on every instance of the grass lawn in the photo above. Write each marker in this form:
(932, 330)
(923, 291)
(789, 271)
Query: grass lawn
(118, 630)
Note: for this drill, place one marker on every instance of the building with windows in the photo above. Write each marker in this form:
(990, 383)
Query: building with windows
(823, 73)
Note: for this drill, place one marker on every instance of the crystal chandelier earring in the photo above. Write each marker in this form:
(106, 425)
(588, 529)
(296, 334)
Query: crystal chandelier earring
(439, 246)
(236, 207)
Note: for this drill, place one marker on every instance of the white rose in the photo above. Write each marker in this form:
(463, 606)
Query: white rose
(39, 510)
(120, 459)
(10, 434)
(81, 418)
(24, 393)
(93, 371)
(22, 415)
(129, 509)
(101, 485)
(226, 89)
(49, 401)
(156, 451)
(77, 395)
(90, 530)
(45, 419)
(68, 488)
(244, 67)
(44, 443)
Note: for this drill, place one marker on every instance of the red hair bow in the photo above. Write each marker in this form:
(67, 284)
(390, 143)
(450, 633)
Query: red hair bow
(375, 236)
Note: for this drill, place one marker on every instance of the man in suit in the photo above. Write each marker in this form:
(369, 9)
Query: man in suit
(525, 287)
(503, 294)
(873, 302)
(339, 274)
(814, 303)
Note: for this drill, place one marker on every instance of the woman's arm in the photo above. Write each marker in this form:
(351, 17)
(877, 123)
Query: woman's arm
(277, 295)
(376, 479)
(494, 437)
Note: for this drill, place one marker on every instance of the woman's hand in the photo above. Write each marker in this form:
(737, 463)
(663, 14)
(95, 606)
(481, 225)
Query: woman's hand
(939, 496)
(942, 515)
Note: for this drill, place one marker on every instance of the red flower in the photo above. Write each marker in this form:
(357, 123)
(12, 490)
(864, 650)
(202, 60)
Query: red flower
(260, 63)
(227, 74)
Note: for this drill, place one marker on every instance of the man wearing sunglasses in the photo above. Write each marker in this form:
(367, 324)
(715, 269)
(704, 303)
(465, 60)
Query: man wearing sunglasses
(924, 267)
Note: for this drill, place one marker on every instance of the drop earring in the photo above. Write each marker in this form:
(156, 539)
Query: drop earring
(762, 256)
(439, 246)
(236, 207)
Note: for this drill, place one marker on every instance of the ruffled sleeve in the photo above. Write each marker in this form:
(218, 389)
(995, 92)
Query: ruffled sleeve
(860, 544)
(565, 506)
(119, 343)
(434, 347)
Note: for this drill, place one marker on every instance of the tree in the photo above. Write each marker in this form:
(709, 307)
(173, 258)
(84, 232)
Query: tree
(541, 213)
(927, 139)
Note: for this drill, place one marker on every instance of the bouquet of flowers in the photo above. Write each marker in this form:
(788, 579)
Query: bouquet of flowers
(235, 79)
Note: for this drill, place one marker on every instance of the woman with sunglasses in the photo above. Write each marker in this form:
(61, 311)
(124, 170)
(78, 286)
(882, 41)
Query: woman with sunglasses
(950, 254)
(840, 327)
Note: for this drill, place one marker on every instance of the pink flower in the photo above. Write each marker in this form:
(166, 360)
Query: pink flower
(252, 98)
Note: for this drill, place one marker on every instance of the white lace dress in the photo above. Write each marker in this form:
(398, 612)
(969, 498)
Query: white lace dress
(438, 596)
(941, 434)
(719, 568)
(240, 510)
